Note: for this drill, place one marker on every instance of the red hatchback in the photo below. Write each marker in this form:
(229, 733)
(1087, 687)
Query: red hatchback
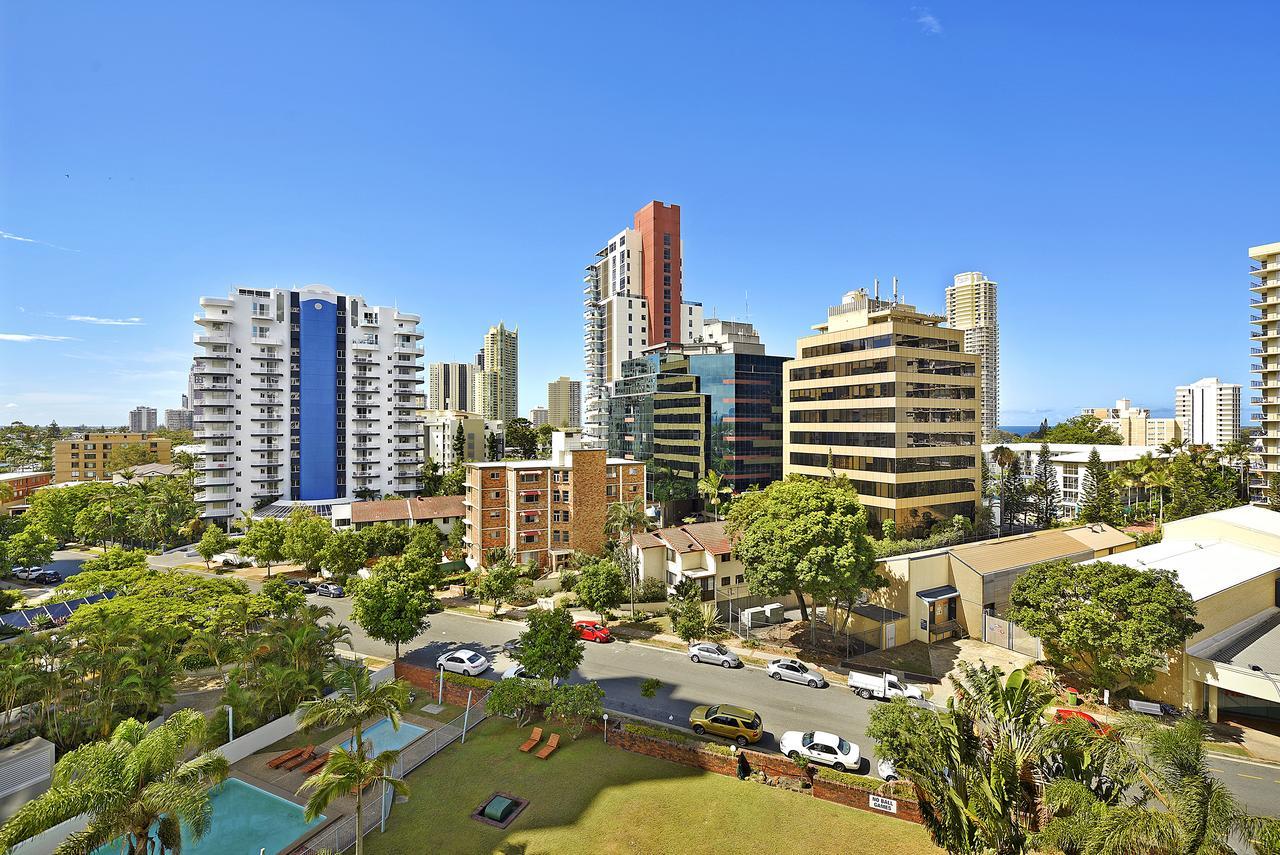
(1064, 714)
(589, 630)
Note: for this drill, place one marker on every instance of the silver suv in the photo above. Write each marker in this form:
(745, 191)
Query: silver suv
(714, 654)
(795, 671)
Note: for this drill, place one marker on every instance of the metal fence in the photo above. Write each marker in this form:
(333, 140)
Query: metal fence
(340, 835)
(1007, 634)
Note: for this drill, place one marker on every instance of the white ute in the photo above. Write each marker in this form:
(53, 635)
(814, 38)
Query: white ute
(884, 686)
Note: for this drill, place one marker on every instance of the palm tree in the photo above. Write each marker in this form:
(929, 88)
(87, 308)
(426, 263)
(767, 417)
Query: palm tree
(1239, 453)
(1003, 456)
(1176, 805)
(211, 645)
(350, 770)
(711, 487)
(626, 518)
(1159, 479)
(132, 786)
(356, 701)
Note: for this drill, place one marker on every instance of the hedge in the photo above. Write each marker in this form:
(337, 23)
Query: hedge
(901, 789)
(464, 680)
(679, 737)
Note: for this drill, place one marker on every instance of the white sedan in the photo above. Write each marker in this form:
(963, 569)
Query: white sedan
(519, 672)
(819, 747)
(463, 662)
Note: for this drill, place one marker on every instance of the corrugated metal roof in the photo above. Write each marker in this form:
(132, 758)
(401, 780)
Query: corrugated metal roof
(1019, 550)
(1098, 536)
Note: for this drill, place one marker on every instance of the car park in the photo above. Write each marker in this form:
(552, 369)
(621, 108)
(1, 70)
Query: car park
(817, 746)
(301, 585)
(713, 654)
(886, 686)
(737, 723)
(795, 671)
(463, 661)
(330, 589)
(589, 630)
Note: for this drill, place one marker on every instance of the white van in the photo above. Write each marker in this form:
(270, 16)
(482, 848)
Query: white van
(884, 686)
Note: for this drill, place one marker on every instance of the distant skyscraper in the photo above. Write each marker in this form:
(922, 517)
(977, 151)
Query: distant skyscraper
(305, 395)
(633, 299)
(1209, 411)
(1266, 267)
(497, 385)
(971, 306)
(179, 419)
(142, 419)
(564, 403)
(538, 416)
(451, 386)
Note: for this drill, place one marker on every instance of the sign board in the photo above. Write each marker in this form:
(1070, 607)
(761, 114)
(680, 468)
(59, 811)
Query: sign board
(881, 803)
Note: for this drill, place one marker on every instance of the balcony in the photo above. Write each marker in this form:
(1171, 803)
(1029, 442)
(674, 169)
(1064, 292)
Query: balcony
(267, 341)
(212, 513)
(266, 384)
(219, 480)
(204, 339)
(408, 349)
(364, 343)
(267, 371)
(214, 433)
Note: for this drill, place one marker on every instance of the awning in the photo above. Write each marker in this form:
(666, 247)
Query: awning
(942, 592)
(531, 492)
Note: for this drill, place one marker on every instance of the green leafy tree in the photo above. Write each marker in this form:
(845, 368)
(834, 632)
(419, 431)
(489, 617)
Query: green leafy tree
(348, 771)
(343, 554)
(305, 537)
(1273, 491)
(544, 433)
(431, 478)
(600, 587)
(1112, 623)
(283, 597)
(712, 488)
(130, 455)
(550, 648)
(454, 482)
(493, 447)
(130, 786)
(694, 620)
(457, 535)
(355, 701)
(806, 536)
(1047, 506)
(521, 438)
(264, 542)
(1084, 429)
(1158, 480)
(577, 705)
(382, 539)
(459, 448)
(669, 488)
(1013, 493)
(213, 542)
(497, 584)
(518, 699)
(1097, 494)
(31, 547)
(387, 608)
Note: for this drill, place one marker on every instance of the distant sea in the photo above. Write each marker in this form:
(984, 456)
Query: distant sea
(1020, 430)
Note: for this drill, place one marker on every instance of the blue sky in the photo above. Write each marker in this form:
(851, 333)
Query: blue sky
(1108, 164)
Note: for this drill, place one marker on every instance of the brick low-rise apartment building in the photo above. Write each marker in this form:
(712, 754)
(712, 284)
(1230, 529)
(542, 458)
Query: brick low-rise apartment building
(86, 458)
(16, 489)
(545, 510)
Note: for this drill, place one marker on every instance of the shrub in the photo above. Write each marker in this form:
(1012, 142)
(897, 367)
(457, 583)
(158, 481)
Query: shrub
(666, 734)
(899, 789)
(524, 594)
(650, 687)
(464, 680)
(568, 579)
(651, 591)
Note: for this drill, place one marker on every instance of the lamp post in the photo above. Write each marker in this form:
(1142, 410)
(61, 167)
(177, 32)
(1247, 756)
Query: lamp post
(606, 728)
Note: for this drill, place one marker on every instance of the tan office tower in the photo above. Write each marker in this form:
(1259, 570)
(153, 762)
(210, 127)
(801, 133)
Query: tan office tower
(564, 403)
(1265, 303)
(971, 306)
(498, 380)
(886, 396)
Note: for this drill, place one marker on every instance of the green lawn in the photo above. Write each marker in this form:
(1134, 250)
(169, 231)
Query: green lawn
(589, 797)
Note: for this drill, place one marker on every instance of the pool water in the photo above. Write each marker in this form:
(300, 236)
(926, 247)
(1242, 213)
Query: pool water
(385, 738)
(245, 821)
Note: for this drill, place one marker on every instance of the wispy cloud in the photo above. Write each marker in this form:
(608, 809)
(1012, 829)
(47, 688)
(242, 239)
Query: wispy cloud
(20, 239)
(106, 322)
(928, 23)
(34, 337)
(10, 405)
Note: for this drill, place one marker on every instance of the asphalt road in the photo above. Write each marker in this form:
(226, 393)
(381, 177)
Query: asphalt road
(620, 667)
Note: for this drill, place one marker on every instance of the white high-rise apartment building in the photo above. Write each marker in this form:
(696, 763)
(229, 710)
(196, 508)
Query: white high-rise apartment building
(304, 396)
(179, 419)
(142, 419)
(497, 384)
(1209, 411)
(632, 300)
(1265, 303)
(971, 306)
(451, 386)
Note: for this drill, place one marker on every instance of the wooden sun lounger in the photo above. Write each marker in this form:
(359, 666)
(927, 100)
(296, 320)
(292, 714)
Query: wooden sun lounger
(281, 759)
(552, 744)
(307, 753)
(534, 739)
(316, 764)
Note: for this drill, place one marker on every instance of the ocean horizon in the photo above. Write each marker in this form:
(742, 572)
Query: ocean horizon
(1020, 430)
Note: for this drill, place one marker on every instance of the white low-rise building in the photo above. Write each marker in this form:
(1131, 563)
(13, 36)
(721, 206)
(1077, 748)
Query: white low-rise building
(1069, 462)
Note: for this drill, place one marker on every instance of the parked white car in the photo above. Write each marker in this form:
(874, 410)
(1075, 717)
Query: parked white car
(521, 673)
(795, 671)
(26, 574)
(817, 746)
(885, 686)
(463, 662)
(885, 769)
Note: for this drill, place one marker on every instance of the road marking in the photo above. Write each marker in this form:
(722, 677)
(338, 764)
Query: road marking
(1254, 777)
(1219, 771)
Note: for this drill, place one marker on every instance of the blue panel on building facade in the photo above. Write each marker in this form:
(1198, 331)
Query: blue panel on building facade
(318, 416)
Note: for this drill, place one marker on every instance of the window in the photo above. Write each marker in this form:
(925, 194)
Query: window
(724, 581)
(740, 579)
(497, 494)
(611, 490)
(671, 555)
(666, 238)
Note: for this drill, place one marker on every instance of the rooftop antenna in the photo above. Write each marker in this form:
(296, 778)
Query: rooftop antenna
(876, 292)
(746, 308)
(895, 289)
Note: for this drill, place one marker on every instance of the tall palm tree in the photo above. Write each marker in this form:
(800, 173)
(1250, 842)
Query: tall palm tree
(1159, 479)
(1176, 806)
(356, 701)
(1239, 453)
(711, 487)
(132, 786)
(626, 518)
(350, 770)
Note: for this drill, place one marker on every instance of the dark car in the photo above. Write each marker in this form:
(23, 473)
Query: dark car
(329, 589)
(47, 577)
(301, 585)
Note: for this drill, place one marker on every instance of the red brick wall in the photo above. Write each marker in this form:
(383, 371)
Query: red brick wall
(856, 797)
(429, 679)
(652, 221)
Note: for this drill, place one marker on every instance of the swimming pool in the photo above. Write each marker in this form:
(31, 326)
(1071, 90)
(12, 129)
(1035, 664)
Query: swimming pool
(245, 820)
(386, 738)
